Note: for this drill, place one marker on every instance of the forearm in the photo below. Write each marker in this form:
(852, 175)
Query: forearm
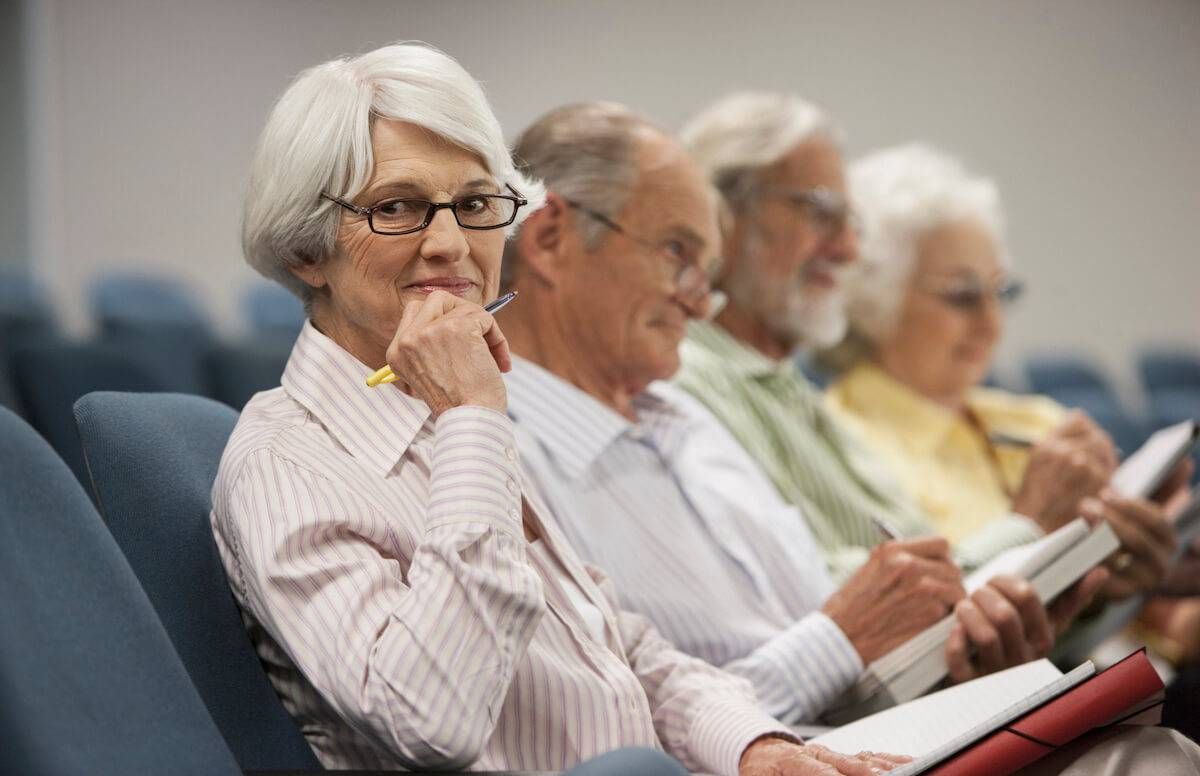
(704, 716)
(799, 672)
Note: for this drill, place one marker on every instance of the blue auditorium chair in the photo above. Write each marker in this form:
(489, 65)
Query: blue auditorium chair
(89, 681)
(124, 301)
(1170, 370)
(50, 376)
(1052, 374)
(237, 372)
(274, 313)
(152, 460)
(160, 322)
(25, 316)
(1076, 382)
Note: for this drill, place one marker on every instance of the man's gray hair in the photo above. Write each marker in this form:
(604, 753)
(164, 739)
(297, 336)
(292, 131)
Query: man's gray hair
(740, 134)
(587, 153)
(318, 139)
(901, 194)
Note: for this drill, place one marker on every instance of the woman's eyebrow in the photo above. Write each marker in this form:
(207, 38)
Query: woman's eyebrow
(479, 186)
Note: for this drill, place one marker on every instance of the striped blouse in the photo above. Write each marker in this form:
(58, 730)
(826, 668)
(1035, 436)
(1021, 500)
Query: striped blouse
(816, 463)
(378, 558)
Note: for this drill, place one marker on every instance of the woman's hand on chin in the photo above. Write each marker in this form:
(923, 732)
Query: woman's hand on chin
(449, 353)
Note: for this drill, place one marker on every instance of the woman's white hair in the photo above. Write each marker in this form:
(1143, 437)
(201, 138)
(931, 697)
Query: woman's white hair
(318, 139)
(900, 194)
(742, 133)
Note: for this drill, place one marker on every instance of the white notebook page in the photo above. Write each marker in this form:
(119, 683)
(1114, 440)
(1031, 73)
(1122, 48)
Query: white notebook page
(922, 725)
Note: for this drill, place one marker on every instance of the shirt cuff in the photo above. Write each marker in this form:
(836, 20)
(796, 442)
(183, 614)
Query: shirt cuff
(999, 535)
(720, 735)
(799, 672)
(474, 471)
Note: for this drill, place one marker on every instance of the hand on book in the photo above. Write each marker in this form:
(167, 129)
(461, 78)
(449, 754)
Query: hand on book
(780, 757)
(1003, 624)
(1147, 542)
(902, 589)
(1075, 460)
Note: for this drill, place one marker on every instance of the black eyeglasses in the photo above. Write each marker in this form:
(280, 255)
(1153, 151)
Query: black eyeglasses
(692, 284)
(405, 216)
(969, 295)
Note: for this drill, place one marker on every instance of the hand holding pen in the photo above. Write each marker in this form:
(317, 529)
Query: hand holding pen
(449, 352)
(385, 375)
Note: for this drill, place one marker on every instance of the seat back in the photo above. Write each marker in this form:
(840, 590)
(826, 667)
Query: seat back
(273, 312)
(130, 301)
(1053, 374)
(49, 376)
(237, 372)
(89, 681)
(1170, 370)
(153, 459)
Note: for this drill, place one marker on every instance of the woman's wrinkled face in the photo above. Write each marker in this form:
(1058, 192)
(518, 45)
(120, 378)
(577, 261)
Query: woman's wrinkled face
(362, 289)
(950, 319)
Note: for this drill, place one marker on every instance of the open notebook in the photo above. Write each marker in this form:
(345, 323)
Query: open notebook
(965, 720)
(1051, 564)
(930, 729)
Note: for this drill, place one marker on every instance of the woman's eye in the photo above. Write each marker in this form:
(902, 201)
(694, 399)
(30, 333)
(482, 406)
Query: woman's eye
(473, 205)
(400, 207)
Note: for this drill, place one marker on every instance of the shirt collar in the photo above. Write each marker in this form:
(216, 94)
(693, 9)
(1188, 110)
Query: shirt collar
(376, 425)
(736, 356)
(875, 395)
(574, 427)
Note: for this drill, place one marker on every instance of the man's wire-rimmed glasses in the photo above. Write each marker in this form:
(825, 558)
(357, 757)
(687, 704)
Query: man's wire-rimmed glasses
(692, 284)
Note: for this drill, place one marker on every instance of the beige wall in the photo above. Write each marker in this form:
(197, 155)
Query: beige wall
(1086, 111)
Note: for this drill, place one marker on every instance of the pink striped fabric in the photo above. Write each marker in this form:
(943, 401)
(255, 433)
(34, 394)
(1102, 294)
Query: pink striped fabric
(379, 561)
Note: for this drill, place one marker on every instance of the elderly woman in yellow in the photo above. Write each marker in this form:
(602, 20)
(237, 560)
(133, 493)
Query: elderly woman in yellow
(925, 307)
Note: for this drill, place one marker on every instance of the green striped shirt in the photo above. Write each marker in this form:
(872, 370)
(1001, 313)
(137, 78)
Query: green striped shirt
(843, 491)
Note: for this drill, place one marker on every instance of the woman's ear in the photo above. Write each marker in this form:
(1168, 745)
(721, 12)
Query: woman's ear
(311, 272)
(542, 238)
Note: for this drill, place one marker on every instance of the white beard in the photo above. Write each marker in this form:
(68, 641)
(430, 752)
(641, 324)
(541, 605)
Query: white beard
(805, 318)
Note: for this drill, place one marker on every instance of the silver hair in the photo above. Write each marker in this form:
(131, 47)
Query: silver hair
(585, 152)
(318, 139)
(737, 136)
(901, 194)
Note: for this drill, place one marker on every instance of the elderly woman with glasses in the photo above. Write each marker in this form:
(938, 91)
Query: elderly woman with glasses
(925, 306)
(411, 605)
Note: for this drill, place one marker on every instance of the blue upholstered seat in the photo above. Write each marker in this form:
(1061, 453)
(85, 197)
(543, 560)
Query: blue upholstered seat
(153, 459)
(89, 681)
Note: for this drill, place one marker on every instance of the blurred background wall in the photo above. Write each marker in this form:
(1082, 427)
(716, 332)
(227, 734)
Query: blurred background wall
(129, 124)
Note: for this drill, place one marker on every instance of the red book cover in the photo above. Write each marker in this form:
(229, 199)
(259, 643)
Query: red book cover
(1092, 703)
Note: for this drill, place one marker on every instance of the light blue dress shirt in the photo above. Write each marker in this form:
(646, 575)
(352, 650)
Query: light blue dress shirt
(692, 533)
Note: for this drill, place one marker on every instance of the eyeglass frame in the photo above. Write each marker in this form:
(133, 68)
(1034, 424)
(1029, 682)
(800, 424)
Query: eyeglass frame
(816, 205)
(1005, 294)
(714, 297)
(430, 212)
